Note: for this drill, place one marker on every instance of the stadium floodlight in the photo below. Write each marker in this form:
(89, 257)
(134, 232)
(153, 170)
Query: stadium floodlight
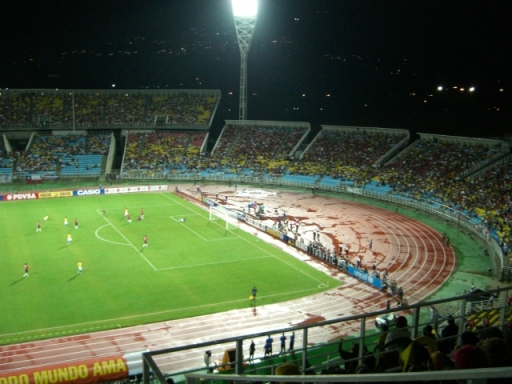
(245, 13)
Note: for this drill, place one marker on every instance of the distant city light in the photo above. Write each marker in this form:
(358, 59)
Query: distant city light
(471, 89)
(462, 89)
(245, 8)
(440, 88)
(501, 89)
(113, 85)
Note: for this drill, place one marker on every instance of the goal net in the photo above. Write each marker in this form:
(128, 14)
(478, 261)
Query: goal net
(223, 217)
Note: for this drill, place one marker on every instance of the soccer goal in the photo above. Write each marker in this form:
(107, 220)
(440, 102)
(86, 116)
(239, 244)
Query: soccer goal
(223, 217)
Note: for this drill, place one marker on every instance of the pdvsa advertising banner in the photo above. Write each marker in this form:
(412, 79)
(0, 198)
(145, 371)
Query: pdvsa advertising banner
(20, 196)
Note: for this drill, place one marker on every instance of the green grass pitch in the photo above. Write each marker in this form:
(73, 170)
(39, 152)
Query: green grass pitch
(188, 269)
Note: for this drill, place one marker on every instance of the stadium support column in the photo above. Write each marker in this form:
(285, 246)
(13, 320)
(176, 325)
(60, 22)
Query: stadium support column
(245, 15)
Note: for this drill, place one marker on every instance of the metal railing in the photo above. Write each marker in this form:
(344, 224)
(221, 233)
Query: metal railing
(164, 363)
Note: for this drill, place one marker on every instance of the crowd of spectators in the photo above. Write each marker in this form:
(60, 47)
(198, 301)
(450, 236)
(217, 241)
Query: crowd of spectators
(48, 108)
(98, 144)
(162, 152)
(428, 167)
(40, 157)
(434, 170)
(434, 350)
(260, 148)
(124, 109)
(14, 109)
(47, 154)
(6, 162)
(95, 109)
(180, 110)
(345, 155)
(88, 111)
(396, 351)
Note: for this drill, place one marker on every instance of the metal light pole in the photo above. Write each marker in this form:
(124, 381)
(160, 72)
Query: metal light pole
(245, 15)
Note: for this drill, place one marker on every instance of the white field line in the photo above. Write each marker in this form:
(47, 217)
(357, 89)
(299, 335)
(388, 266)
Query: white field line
(128, 241)
(214, 263)
(105, 240)
(269, 253)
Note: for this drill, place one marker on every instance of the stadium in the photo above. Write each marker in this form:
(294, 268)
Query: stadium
(294, 177)
(143, 242)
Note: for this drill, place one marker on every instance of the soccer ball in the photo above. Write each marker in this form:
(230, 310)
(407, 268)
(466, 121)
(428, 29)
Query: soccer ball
(183, 219)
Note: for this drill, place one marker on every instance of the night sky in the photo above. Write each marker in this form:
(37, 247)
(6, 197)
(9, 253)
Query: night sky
(359, 62)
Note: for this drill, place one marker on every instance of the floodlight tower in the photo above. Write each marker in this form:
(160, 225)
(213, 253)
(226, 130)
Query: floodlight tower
(245, 13)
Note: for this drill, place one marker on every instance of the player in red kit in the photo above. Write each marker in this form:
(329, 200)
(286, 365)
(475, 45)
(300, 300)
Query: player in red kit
(145, 241)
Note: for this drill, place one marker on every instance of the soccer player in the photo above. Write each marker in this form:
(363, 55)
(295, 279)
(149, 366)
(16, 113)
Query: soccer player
(128, 218)
(38, 226)
(79, 268)
(126, 212)
(70, 239)
(76, 223)
(25, 268)
(145, 241)
(66, 221)
(46, 218)
(142, 213)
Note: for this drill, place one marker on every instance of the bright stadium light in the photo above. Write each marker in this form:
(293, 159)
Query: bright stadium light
(244, 8)
(245, 13)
